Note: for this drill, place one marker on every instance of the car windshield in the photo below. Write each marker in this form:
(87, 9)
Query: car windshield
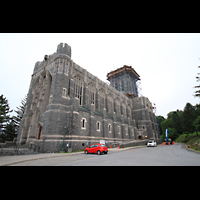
(150, 141)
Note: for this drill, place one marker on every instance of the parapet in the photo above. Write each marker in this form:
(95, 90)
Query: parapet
(64, 48)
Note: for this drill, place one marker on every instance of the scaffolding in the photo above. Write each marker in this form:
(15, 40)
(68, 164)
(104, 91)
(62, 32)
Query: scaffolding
(125, 79)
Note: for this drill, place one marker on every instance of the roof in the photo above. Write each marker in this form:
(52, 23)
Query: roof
(121, 69)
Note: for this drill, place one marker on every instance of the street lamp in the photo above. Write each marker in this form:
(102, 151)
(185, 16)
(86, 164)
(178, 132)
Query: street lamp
(64, 137)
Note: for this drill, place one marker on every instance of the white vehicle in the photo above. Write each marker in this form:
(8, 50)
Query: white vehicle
(152, 143)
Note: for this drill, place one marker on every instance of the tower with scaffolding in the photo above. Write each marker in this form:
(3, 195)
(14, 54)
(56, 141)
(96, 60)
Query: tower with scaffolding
(125, 79)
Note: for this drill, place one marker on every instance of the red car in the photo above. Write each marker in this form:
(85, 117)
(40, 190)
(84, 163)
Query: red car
(96, 148)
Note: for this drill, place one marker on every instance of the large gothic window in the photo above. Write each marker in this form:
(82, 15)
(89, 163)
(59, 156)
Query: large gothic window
(118, 110)
(129, 111)
(102, 98)
(124, 109)
(91, 90)
(66, 67)
(110, 104)
(78, 89)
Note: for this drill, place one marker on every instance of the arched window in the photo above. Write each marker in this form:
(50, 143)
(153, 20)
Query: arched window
(110, 104)
(118, 110)
(129, 111)
(126, 129)
(83, 123)
(60, 66)
(118, 129)
(64, 93)
(50, 99)
(102, 98)
(132, 132)
(109, 128)
(78, 89)
(124, 109)
(98, 125)
(66, 67)
(91, 89)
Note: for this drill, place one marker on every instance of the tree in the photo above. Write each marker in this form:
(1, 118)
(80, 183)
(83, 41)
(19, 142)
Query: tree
(20, 112)
(10, 131)
(176, 117)
(189, 117)
(5, 118)
(196, 124)
(197, 92)
(160, 120)
(173, 133)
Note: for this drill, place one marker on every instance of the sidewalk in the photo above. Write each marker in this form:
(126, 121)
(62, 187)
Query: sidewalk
(8, 160)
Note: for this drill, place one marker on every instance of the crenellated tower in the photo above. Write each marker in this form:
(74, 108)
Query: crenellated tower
(64, 48)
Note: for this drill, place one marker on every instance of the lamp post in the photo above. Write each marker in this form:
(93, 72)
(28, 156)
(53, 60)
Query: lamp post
(64, 137)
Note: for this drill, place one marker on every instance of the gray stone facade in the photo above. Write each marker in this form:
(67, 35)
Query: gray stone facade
(67, 103)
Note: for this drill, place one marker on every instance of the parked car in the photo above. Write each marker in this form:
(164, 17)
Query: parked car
(96, 148)
(152, 143)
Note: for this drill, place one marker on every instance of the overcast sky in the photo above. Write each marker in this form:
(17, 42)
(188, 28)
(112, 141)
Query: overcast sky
(167, 63)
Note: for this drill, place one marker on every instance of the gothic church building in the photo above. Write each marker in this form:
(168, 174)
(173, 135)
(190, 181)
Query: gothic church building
(68, 106)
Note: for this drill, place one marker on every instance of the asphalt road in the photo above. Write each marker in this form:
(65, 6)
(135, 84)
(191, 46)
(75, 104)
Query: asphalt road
(173, 155)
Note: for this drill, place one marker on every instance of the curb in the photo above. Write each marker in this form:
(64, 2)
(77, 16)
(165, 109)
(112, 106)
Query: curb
(189, 149)
(48, 156)
(52, 155)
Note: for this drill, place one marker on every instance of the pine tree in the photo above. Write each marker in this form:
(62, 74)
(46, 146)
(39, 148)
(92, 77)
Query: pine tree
(189, 117)
(20, 112)
(197, 92)
(5, 118)
(10, 131)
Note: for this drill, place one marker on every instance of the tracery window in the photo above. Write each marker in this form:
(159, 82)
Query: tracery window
(110, 104)
(78, 89)
(118, 110)
(102, 98)
(66, 66)
(60, 66)
(91, 90)
(126, 129)
(129, 111)
(124, 109)
(118, 129)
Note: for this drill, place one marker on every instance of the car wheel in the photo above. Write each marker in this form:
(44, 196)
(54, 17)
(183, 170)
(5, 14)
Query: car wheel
(86, 152)
(99, 152)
